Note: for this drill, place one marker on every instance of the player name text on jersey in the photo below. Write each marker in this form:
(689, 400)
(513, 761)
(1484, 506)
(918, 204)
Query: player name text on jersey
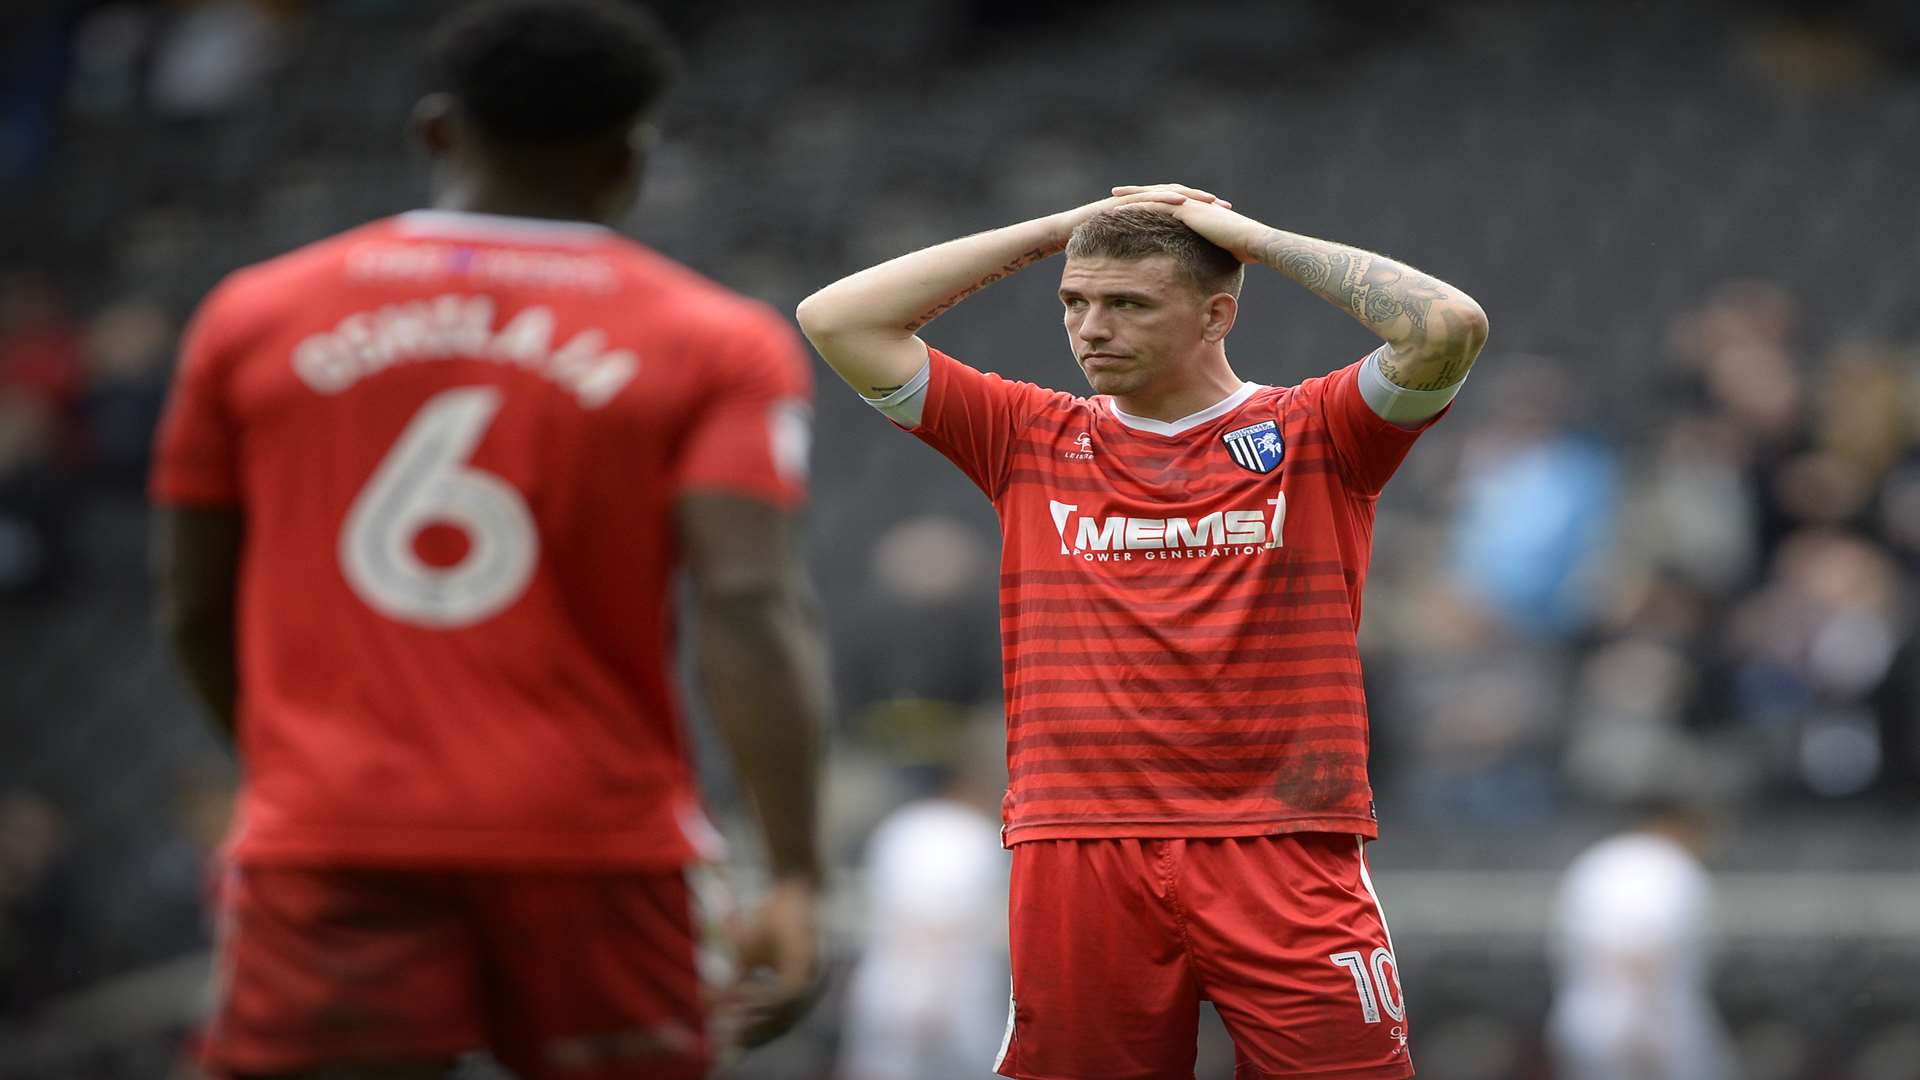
(456, 327)
(484, 267)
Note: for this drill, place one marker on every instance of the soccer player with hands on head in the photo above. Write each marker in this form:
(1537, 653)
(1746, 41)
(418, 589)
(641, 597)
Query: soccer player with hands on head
(425, 488)
(1183, 559)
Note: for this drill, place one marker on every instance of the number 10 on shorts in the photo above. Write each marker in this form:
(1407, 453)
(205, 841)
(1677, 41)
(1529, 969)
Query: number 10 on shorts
(1384, 974)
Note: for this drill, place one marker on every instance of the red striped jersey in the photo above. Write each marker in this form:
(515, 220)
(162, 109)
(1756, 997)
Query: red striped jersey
(1178, 602)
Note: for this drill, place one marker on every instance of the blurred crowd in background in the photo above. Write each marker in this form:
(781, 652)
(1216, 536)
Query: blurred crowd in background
(1664, 548)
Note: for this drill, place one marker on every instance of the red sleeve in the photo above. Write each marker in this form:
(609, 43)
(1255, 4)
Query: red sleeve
(1367, 448)
(196, 451)
(754, 428)
(973, 416)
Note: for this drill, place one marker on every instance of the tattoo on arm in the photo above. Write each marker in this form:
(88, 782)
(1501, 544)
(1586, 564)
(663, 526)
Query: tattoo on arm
(1018, 264)
(1381, 293)
(1455, 348)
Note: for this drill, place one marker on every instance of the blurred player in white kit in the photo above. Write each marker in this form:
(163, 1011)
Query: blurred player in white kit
(1632, 929)
(931, 987)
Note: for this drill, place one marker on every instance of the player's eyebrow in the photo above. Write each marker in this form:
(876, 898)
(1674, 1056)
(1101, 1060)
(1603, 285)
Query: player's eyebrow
(1110, 296)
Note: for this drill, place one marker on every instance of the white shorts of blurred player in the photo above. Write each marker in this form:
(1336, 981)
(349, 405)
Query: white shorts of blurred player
(1631, 944)
(1601, 1033)
(929, 997)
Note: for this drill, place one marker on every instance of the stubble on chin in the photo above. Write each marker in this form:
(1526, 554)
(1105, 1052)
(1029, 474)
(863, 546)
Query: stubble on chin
(1110, 382)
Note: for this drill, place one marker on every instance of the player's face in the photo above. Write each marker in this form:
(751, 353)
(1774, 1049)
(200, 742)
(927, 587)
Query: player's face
(1134, 324)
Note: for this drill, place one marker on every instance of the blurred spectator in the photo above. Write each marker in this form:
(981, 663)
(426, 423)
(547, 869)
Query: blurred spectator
(1865, 408)
(111, 45)
(1537, 505)
(1487, 701)
(1897, 703)
(931, 628)
(1811, 650)
(1693, 513)
(1740, 350)
(214, 55)
(1626, 721)
(129, 349)
(40, 346)
(33, 50)
(184, 868)
(1739, 312)
(1648, 696)
(1898, 519)
(37, 944)
(928, 999)
(33, 498)
(156, 246)
(41, 379)
(1630, 944)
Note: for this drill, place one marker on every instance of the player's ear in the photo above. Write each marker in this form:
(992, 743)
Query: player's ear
(642, 137)
(617, 166)
(1219, 313)
(433, 123)
(637, 151)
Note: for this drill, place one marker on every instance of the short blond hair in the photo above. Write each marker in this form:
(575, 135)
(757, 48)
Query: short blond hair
(1139, 231)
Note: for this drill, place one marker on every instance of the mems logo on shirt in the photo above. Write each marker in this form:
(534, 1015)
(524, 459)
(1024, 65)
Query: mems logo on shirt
(1119, 537)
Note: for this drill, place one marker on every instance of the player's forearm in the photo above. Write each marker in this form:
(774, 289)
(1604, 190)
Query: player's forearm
(862, 323)
(196, 559)
(1436, 330)
(763, 662)
(903, 294)
(205, 648)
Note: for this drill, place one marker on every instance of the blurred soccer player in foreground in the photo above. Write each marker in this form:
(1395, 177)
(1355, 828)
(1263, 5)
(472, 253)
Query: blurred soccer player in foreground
(1181, 571)
(426, 487)
(1632, 943)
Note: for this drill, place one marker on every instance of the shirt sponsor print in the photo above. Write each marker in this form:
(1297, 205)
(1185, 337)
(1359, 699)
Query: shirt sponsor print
(1119, 537)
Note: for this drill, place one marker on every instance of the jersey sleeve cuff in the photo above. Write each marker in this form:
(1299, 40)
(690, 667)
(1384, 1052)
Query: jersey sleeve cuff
(906, 405)
(1395, 403)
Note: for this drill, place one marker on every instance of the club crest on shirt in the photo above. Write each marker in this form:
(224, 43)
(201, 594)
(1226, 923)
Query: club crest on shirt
(1256, 447)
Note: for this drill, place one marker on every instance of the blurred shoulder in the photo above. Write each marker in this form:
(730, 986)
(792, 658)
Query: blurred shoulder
(1638, 860)
(260, 292)
(933, 829)
(674, 293)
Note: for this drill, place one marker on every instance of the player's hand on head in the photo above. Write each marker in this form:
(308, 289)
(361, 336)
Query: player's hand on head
(1225, 227)
(1182, 190)
(778, 950)
(1167, 197)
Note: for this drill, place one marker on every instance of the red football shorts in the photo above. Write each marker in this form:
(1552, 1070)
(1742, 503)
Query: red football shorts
(582, 976)
(1116, 943)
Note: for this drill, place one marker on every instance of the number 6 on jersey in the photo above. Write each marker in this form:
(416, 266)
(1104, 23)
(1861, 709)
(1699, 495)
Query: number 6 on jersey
(423, 480)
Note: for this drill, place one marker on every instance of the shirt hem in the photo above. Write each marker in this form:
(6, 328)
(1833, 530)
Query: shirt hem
(1364, 827)
(1400, 1070)
(477, 849)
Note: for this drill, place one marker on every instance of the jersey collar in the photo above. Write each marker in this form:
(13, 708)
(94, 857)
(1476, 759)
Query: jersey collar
(1190, 421)
(499, 227)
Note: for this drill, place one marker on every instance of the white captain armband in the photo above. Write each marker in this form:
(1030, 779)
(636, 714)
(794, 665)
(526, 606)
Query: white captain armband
(903, 406)
(1395, 403)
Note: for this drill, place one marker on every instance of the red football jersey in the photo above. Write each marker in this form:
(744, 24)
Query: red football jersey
(1178, 602)
(457, 441)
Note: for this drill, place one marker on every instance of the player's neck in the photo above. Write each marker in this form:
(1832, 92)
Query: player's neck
(1175, 401)
(512, 201)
